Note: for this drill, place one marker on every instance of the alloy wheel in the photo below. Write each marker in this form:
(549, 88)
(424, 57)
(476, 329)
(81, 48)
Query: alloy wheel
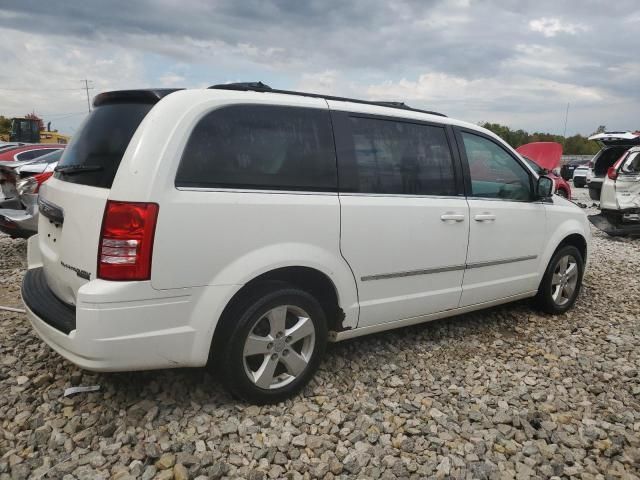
(564, 280)
(279, 347)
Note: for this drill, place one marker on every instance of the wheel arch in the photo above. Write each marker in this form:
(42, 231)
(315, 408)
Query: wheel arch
(576, 240)
(311, 280)
(569, 235)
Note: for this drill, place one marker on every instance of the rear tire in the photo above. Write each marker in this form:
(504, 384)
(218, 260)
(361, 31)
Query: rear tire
(271, 344)
(562, 281)
(563, 193)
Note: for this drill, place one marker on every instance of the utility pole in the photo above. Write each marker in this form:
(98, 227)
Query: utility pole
(566, 117)
(86, 87)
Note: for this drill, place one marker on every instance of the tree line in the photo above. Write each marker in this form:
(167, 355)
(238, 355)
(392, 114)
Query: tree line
(574, 145)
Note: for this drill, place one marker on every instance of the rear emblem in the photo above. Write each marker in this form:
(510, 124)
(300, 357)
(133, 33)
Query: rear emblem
(81, 273)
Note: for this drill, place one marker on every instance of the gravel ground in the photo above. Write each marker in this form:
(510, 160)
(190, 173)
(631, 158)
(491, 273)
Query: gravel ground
(496, 394)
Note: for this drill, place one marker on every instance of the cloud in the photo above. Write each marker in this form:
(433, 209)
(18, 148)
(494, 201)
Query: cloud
(321, 82)
(171, 79)
(550, 27)
(516, 60)
(47, 77)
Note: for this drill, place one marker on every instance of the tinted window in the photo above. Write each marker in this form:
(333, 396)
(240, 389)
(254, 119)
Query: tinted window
(51, 157)
(401, 158)
(494, 173)
(94, 154)
(27, 155)
(31, 154)
(262, 147)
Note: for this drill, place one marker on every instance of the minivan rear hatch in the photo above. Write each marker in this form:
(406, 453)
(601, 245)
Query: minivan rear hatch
(607, 139)
(72, 202)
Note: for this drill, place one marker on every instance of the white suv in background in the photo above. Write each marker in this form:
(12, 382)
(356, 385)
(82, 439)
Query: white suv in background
(244, 227)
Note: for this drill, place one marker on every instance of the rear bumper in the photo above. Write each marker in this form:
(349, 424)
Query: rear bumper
(122, 326)
(613, 225)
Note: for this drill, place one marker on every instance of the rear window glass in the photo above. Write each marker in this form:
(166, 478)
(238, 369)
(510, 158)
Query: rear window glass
(261, 147)
(94, 154)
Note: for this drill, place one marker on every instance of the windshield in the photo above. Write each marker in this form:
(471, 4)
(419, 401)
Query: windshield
(93, 156)
(536, 168)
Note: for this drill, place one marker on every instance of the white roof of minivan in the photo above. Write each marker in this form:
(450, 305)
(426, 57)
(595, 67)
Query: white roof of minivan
(319, 101)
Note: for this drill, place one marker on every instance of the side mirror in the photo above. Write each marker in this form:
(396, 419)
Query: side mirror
(544, 187)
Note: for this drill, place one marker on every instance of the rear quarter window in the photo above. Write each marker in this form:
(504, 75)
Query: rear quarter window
(261, 147)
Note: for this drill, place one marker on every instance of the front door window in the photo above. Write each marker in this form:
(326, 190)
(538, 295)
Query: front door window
(494, 173)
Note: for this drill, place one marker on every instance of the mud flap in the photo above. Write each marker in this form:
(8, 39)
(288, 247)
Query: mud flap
(601, 222)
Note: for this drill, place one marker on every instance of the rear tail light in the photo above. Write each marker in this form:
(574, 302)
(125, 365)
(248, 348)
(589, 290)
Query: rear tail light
(612, 173)
(126, 240)
(32, 184)
(41, 178)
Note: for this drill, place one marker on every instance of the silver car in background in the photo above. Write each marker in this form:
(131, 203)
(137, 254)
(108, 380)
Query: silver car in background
(19, 186)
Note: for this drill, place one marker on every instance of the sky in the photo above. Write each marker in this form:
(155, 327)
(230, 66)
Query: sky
(513, 62)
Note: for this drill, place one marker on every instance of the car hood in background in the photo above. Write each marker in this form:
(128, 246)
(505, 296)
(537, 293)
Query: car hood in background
(546, 154)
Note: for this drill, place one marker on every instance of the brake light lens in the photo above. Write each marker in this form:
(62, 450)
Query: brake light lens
(41, 178)
(31, 185)
(126, 241)
(612, 173)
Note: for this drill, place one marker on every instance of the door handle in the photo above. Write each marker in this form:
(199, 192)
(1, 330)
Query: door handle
(484, 217)
(456, 217)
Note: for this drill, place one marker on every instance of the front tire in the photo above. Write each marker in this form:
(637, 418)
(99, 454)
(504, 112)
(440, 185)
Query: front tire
(562, 281)
(273, 344)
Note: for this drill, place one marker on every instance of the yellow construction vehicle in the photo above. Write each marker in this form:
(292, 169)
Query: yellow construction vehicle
(27, 130)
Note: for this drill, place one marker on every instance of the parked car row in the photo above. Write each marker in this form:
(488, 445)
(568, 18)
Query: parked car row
(23, 168)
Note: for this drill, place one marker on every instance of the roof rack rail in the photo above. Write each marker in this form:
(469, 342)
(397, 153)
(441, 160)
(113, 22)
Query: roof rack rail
(262, 87)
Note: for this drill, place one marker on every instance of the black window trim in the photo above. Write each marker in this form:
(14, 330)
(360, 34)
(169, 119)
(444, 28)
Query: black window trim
(343, 135)
(467, 172)
(244, 188)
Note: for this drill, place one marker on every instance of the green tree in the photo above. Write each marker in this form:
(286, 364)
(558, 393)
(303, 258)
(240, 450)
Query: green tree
(5, 124)
(575, 145)
(33, 116)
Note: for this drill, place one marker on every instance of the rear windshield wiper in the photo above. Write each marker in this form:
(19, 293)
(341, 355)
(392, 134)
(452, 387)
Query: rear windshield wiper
(78, 168)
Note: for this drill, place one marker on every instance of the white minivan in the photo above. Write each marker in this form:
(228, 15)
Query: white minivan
(243, 227)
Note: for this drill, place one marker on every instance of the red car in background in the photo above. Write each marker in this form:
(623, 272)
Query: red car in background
(29, 152)
(544, 158)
